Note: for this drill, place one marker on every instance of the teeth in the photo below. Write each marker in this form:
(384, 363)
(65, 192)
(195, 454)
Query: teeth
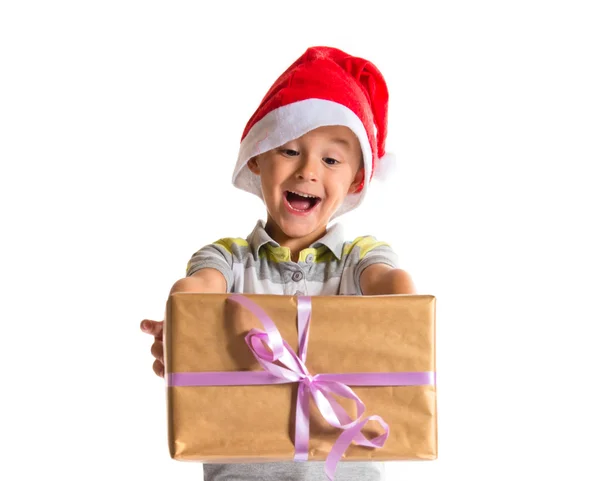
(304, 195)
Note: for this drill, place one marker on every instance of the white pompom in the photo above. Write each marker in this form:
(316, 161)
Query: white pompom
(385, 167)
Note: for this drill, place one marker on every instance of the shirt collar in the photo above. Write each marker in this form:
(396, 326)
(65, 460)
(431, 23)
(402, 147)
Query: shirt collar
(333, 239)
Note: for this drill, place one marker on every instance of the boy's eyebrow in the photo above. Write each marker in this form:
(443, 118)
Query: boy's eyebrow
(344, 142)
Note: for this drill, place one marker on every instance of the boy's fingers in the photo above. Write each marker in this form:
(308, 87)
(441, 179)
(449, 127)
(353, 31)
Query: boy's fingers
(152, 327)
(159, 368)
(157, 350)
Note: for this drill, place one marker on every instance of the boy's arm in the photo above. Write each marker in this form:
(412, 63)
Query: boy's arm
(205, 280)
(380, 279)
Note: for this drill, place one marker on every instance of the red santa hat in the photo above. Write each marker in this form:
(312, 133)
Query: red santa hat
(325, 86)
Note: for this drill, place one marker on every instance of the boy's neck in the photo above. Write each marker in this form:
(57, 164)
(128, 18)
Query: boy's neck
(295, 244)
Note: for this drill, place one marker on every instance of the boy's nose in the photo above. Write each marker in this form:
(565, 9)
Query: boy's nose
(308, 169)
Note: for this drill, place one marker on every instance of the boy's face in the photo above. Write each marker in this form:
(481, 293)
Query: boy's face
(304, 181)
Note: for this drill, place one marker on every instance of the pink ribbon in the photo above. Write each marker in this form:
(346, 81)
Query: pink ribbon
(281, 365)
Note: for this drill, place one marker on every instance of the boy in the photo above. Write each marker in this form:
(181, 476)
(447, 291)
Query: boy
(309, 152)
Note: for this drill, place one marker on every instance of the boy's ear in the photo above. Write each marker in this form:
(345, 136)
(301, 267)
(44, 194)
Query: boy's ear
(253, 166)
(358, 181)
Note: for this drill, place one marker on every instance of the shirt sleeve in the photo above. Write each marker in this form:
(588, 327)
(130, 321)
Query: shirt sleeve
(371, 251)
(215, 256)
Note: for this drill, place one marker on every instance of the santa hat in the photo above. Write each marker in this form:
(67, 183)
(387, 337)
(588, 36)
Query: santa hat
(325, 86)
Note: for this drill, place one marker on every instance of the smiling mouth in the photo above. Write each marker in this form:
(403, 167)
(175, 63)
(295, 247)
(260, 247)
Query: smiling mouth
(301, 202)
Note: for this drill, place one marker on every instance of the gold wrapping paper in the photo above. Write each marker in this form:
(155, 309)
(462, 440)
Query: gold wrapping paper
(225, 424)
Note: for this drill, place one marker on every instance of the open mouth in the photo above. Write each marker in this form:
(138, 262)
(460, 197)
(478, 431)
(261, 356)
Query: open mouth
(300, 202)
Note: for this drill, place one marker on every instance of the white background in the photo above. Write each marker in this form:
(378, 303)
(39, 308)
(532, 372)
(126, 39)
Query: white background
(119, 128)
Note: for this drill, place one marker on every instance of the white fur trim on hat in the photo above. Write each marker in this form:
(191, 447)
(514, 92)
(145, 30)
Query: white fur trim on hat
(290, 122)
(385, 167)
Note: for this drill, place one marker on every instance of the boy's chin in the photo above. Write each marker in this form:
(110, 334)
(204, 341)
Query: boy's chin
(302, 228)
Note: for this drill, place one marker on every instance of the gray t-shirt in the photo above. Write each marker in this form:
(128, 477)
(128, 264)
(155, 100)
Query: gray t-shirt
(292, 471)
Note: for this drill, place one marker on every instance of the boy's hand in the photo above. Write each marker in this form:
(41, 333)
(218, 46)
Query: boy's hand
(155, 328)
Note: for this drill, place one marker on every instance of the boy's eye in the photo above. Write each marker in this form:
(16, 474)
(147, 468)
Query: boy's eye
(330, 161)
(290, 152)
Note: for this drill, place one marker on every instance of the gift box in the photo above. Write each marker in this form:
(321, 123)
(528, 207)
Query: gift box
(260, 378)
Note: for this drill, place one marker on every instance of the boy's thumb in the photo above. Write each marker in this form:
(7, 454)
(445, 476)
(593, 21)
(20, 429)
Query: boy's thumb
(151, 327)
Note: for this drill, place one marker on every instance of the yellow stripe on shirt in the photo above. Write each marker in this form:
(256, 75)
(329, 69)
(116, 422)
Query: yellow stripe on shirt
(228, 242)
(365, 244)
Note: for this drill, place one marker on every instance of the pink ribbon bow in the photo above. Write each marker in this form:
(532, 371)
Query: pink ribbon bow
(293, 369)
